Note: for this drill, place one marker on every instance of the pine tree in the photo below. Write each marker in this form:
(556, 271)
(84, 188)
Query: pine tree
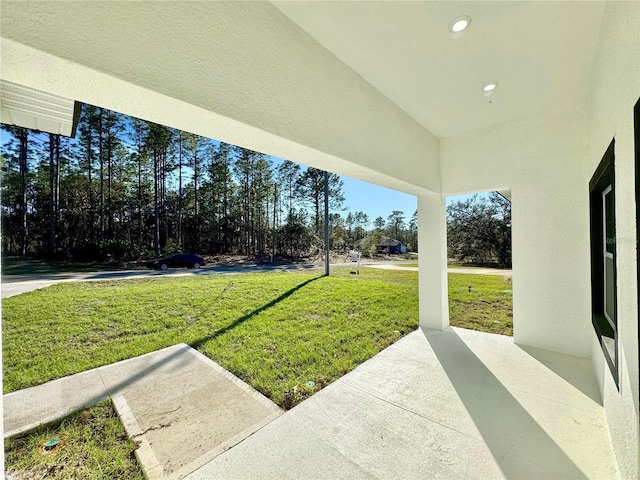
(310, 188)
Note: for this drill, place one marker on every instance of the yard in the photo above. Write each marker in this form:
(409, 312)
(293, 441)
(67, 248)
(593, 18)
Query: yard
(92, 444)
(276, 331)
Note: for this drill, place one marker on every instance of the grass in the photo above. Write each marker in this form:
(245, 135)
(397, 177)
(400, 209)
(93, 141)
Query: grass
(412, 265)
(276, 331)
(487, 306)
(93, 445)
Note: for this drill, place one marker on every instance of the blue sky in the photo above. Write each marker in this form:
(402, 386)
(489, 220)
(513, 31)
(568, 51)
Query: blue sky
(371, 199)
(378, 201)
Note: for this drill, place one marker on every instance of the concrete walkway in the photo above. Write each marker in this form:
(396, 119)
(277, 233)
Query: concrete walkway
(456, 404)
(481, 271)
(470, 270)
(182, 407)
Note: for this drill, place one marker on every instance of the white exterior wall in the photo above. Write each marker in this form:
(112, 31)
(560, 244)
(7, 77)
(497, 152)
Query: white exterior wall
(432, 275)
(615, 88)
(541, 159)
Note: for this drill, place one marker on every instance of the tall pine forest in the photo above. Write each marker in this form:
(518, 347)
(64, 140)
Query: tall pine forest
(126, 189)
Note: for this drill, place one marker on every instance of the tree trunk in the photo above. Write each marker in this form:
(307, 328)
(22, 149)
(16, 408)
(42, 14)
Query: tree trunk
(195, 197)
(23, 191)
(57, 182)
(89, 162)
(109, 180)
(52, 195)
(225, 217)
(101, 159)
(316, 202)
(180, 191)
(139, 196)
(156, 230)
(165, 217)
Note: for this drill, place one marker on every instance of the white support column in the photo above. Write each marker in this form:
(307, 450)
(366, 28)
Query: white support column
(432, 244)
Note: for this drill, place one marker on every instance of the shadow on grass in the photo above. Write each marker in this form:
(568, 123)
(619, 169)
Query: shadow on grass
(198, 343)
(148, 370)
(118, 387)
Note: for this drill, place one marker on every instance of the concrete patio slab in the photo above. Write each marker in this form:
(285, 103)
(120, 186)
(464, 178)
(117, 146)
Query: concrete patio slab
(183, 408)
(452, 404)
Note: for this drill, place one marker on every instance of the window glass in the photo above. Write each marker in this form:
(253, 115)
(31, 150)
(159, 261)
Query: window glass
(610, 229)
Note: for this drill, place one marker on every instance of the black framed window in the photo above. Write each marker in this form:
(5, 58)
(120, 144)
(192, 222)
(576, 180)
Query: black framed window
(636, 136)
(603, 258)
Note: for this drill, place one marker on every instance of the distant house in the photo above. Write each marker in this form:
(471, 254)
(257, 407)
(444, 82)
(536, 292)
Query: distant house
(390, 245)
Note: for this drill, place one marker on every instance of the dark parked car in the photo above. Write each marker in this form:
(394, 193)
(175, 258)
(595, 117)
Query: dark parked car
(178, 260)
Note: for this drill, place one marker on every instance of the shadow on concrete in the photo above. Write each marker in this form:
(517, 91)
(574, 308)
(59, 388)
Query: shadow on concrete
(116, 389)
(45, 277)
(495, 412)
(53, 404)
(248, 316)
(565, 367)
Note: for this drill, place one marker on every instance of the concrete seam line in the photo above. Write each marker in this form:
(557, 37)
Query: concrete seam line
(103, 383)
(237, 381)
(238, 438)
(150, 464)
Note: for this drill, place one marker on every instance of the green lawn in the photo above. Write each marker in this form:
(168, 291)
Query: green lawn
(276, 331)
(92, 445)
(488, 307)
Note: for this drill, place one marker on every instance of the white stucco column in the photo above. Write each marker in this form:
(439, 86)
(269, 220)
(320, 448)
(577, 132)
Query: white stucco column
(432, 245)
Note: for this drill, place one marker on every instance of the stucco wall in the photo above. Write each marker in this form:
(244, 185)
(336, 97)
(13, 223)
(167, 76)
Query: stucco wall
(272, 87)
(541, 159)
(614, 90)
(433, 281)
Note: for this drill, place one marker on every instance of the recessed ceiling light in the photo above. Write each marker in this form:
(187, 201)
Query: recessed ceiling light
(458, 24)
(490, 87)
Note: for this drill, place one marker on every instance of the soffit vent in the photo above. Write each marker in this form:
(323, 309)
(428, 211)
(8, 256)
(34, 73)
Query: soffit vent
(30, 108)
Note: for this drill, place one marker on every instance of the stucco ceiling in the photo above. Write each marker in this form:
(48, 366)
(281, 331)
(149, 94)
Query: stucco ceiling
(540, 53)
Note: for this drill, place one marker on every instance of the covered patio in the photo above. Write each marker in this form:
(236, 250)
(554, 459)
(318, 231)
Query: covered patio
(391, 93)
(439, 404)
